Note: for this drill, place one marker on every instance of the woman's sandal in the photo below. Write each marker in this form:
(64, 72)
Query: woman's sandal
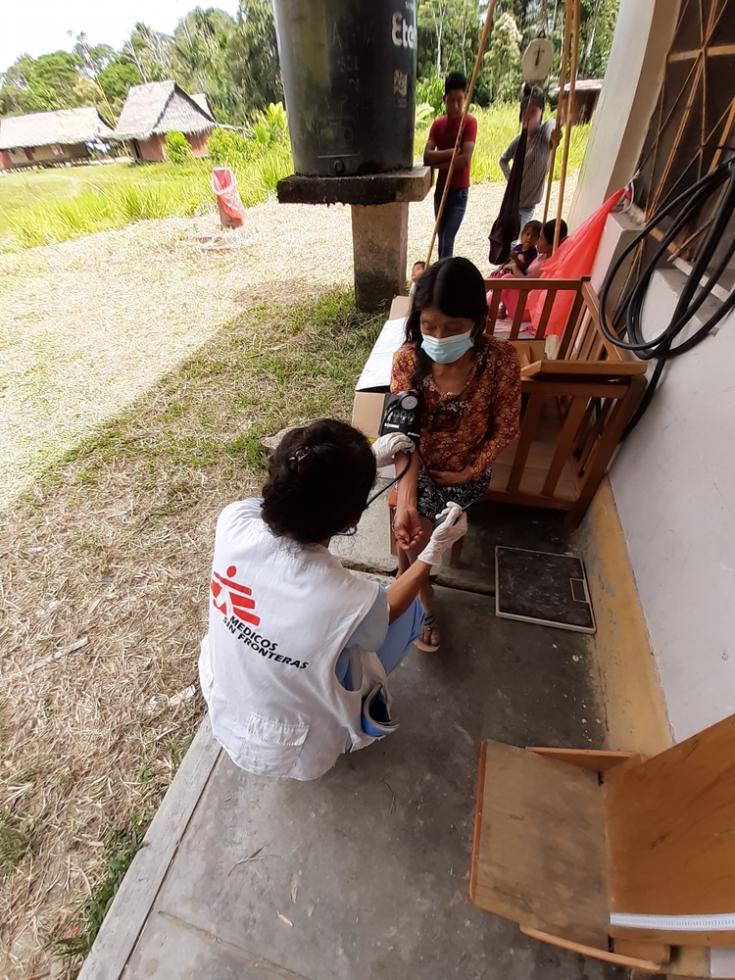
(429, 627)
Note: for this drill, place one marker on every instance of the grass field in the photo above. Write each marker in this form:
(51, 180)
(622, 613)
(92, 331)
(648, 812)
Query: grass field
(496, 127)
(43, 206)
(38, 207)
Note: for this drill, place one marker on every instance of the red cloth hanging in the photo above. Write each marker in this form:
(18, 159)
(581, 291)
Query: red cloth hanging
(574, 258)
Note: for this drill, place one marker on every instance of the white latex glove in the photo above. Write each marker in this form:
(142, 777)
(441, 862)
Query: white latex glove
(388, 446)
(452, 528)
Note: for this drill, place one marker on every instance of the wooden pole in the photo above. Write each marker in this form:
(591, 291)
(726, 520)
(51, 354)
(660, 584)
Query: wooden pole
(568, 134)
(563, 67)
(458, 142)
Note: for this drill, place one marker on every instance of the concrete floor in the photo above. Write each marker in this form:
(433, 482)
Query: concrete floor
(364, 872)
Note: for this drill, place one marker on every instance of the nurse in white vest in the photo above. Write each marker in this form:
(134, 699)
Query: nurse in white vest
(293, 667)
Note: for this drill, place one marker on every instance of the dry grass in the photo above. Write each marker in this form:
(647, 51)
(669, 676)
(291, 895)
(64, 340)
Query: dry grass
(89, 325)
(113, 547)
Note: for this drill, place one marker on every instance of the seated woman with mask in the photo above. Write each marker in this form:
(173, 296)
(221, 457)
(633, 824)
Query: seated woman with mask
(297, 644)
(469, 388)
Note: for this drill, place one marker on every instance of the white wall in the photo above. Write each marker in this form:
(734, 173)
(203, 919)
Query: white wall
(674, 485)
(643, 34)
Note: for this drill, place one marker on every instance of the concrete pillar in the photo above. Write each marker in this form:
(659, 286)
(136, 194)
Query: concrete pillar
(380, 248)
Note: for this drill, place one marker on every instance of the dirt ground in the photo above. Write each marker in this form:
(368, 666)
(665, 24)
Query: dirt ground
(88, 325)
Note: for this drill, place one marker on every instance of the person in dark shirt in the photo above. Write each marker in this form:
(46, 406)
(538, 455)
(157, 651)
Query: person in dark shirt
(438, 153)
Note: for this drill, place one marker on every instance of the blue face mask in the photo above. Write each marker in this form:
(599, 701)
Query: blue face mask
(449, 349)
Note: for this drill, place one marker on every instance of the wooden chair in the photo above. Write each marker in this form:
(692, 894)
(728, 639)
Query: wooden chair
(607, 854)
(576, 404)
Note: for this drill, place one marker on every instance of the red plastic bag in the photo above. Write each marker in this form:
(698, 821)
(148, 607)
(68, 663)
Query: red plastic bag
(573, 259)
(231, 209)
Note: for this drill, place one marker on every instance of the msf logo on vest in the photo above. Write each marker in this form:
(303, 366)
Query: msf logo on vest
(230, 597)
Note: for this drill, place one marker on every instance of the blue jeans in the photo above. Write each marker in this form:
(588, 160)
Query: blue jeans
(454, 209)
(401, 634)
(526, 215)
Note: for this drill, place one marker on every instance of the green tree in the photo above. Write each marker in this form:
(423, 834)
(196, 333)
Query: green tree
(150, 52)
(502, 63)
(199, 59)
(53, 81)
(14, 88)
(598, 19)
(94, 57)
(115, 80)
(253, 57)
(449, 32)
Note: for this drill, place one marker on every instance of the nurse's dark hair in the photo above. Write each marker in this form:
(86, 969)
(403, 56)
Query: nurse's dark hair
(456, 287)
(319, 479)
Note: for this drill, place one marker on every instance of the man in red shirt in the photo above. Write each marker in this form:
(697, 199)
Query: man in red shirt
(438, 153)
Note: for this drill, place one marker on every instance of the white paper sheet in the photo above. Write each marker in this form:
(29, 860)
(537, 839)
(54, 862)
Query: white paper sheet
(376, 373)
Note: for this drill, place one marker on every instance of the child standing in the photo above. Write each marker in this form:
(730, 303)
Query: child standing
(438, 154)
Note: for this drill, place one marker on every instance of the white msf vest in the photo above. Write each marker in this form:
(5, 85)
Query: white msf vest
(280, 614)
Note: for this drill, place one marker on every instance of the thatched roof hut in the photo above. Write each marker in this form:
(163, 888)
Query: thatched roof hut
(50, 137)
(63, 127)
(157, 108)
(203, 102)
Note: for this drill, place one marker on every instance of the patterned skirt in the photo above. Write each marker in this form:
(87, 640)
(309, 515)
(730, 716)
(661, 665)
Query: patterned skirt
(431, 499)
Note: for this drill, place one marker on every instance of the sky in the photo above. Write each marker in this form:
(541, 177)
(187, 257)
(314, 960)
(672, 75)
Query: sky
(37, 27)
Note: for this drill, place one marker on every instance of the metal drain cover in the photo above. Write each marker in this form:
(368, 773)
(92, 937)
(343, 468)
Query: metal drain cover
(540, 587)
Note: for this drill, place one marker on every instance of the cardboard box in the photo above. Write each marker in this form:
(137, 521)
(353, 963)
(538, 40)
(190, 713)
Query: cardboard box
(376, 373)
(400, 307)
(367, 412)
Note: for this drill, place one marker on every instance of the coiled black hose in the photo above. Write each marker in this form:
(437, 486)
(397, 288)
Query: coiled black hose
(624, 328)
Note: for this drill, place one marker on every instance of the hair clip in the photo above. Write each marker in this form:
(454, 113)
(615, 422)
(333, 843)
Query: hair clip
(300, 455)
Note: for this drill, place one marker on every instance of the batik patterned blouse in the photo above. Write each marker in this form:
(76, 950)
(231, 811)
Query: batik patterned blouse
(470, 428)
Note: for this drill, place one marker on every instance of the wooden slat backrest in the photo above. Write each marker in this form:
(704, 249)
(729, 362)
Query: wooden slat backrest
(518, 316)
(564, 443)
(529, 426)
(592, 304)
(545, 313)
(572, 328)
(492, 313)
(590, 383)
(524, 287)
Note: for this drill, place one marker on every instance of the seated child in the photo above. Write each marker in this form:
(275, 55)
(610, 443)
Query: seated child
(524, 251)
(417, 271)
(545, 242)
